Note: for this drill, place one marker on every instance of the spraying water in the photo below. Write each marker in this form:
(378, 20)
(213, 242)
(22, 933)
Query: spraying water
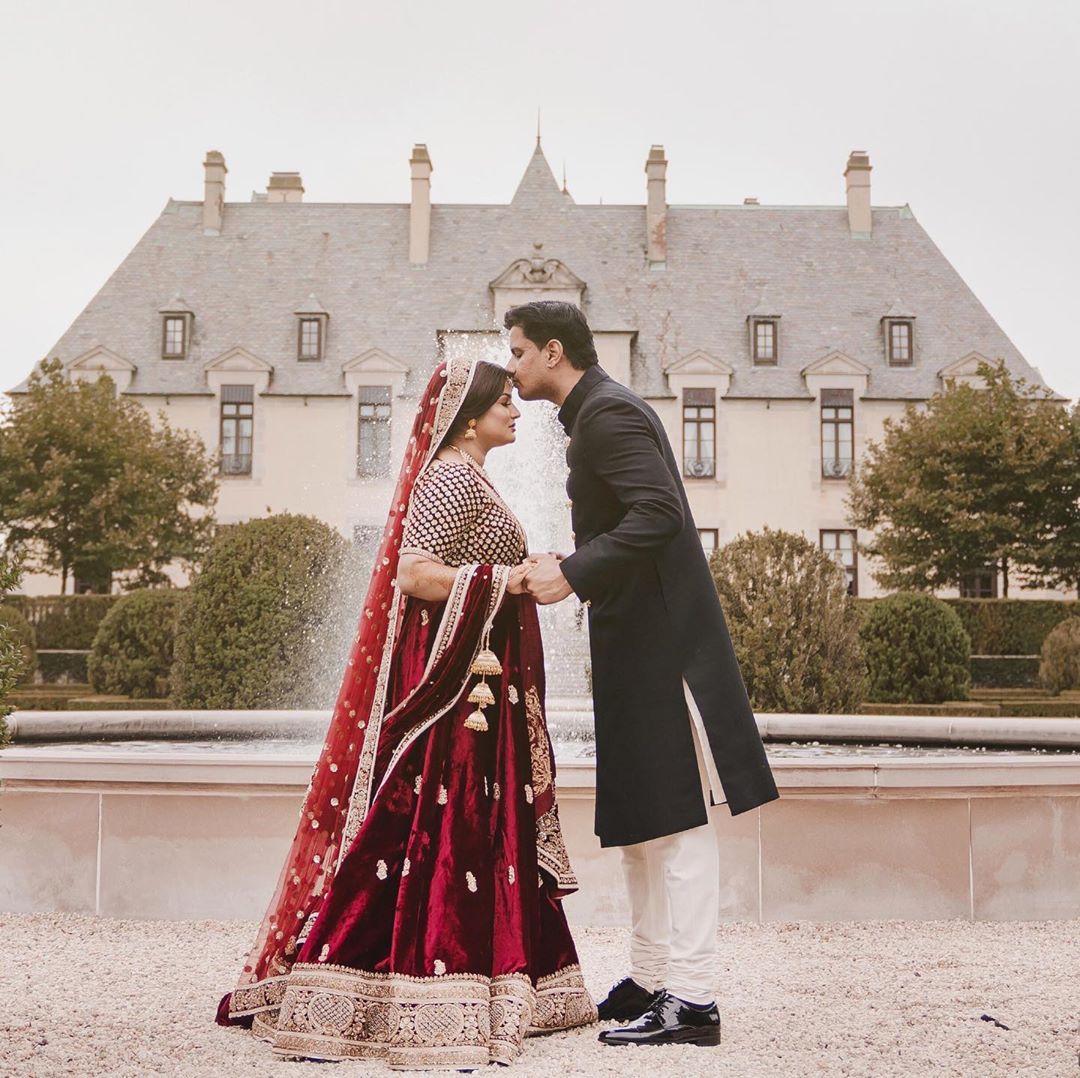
(530, 475)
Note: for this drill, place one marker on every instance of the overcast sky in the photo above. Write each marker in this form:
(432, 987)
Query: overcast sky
(968, 110)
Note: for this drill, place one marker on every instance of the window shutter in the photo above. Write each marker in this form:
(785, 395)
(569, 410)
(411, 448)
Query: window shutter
(837, 398)
(699, 398)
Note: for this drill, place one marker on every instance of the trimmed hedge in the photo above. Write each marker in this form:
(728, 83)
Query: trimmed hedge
(1004, 626)
(1004, 671)
(12, 617)
(117, 703)
(257, 622)
(63, 667)
(53, 700)
(1059, 663)
(133, 648)
(916, 651)
(64, 621)
(1057, 708)
(949, 710)
(793, 626)
(1020, 709)
(1011, 626)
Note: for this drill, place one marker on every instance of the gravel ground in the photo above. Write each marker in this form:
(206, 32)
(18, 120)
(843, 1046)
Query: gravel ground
(81, 996)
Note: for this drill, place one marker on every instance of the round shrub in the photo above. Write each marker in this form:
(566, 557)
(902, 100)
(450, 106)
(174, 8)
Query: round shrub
(22, 633)
(1059, 661)
(133, 647)
(917, 650)
(257, 617)
(794, 627)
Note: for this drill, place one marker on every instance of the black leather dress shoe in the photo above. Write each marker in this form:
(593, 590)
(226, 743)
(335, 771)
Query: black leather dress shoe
(626, 1000)
(669, 1021)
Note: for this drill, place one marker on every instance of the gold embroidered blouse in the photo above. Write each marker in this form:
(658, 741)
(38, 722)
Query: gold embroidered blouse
(457, 518)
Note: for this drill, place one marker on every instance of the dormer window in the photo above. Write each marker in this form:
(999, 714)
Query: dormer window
(764, 339)
(312, 320)
(176, 320)
(175, 345)
(898, 329)
(310, 345)
(900, 342)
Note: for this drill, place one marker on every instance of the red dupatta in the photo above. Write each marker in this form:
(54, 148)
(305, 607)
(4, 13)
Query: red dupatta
(339, 793)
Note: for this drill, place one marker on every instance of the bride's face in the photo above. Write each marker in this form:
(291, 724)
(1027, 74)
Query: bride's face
(496, 426)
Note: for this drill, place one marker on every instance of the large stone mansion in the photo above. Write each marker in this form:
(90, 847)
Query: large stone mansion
(294, 336)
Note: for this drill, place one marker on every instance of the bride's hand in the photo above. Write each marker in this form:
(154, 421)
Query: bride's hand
(516, 584)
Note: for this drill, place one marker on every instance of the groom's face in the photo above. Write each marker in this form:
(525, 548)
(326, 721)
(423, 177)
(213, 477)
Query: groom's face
(527, 366)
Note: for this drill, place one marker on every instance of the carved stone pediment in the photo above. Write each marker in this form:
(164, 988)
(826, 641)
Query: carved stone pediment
(836, 371)
(101, 359)
(238, 359)
(698, 370)
(965, 369)
(538, 274)
(700, 362)
(374, 368)
(91, 365)
(836, 363)
(375, 359)
(238, 365)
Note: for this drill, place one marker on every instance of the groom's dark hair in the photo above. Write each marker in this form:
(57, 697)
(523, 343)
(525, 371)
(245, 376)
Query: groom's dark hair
(554, 320)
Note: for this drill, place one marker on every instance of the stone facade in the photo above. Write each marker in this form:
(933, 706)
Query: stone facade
(672, 292)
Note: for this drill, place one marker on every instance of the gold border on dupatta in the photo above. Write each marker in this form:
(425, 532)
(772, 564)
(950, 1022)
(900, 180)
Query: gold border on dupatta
(459, 376)
(451, 619)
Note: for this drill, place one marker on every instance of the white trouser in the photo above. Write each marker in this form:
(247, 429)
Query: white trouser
(674, 888)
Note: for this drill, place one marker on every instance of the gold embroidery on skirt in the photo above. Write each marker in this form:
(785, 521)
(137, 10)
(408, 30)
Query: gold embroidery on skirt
(551, 849)
(539, 750)
(459, 1019)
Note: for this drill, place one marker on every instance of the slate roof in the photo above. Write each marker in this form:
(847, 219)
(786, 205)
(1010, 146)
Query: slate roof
(723, 263)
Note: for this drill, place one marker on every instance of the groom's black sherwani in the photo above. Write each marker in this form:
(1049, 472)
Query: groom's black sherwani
(654, 619)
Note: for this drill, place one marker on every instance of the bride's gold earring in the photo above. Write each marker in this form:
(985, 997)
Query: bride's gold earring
(471, 432)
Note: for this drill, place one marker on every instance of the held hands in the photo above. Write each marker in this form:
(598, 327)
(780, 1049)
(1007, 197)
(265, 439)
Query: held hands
(544, 579)
(516, 584)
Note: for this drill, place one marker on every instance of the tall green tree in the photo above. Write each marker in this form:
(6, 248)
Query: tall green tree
(12, 659)
(1056, 551)
(977, 478)
(89, 482)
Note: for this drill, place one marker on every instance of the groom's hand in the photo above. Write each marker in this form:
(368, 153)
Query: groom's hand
(515, 585)
(545, 582)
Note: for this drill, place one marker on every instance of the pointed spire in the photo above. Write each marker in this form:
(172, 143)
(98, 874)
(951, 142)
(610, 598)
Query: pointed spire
(538, 127)
(538, 184)
(565, 189)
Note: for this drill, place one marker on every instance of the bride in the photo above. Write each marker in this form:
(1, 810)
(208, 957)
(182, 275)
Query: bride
(417, 918)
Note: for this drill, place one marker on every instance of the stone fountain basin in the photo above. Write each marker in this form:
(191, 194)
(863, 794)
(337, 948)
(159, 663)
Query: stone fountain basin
(188, 815)
(570, 719)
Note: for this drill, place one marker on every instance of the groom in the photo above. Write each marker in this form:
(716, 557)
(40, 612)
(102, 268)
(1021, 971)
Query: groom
(674, 728)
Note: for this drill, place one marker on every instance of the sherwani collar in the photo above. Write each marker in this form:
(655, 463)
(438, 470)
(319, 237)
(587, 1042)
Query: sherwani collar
(592, 377)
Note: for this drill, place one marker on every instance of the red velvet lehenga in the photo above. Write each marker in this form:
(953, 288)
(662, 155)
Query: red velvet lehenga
(418, 916)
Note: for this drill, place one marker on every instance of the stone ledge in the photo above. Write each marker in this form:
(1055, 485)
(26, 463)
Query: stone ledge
(863, 776)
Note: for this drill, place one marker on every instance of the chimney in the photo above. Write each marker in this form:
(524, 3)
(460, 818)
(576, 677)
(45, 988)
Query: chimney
(857, 175)
(213, 193)
(420, 206)
(656, 207)
(285, 187)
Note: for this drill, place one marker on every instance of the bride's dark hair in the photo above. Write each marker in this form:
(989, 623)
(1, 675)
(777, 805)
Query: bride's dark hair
(488, 385)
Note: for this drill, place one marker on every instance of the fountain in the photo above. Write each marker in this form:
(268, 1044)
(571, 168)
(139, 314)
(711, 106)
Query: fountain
(187, 814)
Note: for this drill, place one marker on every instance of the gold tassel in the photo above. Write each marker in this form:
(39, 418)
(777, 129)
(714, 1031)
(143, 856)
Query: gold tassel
(477, 721)
(486, 663)
(482, 695)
